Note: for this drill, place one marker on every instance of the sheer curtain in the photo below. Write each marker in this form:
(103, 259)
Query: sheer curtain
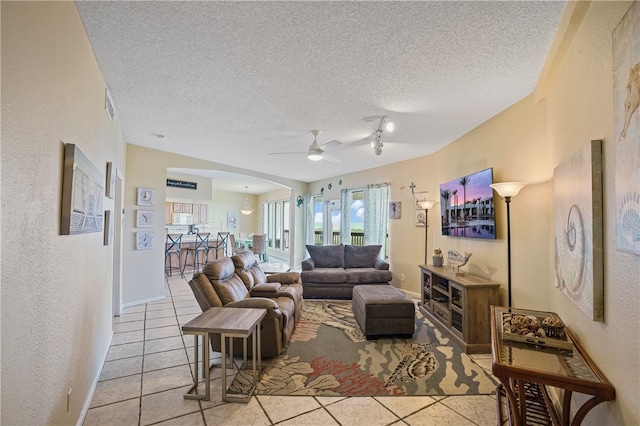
(345, 216)
(309, 223)
(376, 198)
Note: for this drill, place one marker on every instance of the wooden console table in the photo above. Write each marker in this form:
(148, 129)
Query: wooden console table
(229, 323)
(525, 370)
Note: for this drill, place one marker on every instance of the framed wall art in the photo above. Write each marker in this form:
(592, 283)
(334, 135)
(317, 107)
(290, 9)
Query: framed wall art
(144, 240)
(418, 212)
(394, 210)
(232, 220)
(146, 197)
(144, 219)
(82, 194)
(626, 100)
(577, 193)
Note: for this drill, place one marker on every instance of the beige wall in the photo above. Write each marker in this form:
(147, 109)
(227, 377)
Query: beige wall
(56, 289)
(526, 142)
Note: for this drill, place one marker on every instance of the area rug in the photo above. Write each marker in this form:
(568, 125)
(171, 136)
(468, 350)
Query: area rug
(329, 356)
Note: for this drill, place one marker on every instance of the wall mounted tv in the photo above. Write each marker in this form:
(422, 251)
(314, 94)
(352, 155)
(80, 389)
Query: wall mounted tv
(467, 207)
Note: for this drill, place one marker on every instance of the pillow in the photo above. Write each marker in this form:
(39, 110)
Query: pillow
(327, 256)
(361, 256)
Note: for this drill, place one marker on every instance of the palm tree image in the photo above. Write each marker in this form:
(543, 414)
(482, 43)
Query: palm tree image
(454, 216)
(445, 194)
(464, 181)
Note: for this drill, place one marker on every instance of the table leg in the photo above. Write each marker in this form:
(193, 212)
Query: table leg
(223, 339)
(205, 368)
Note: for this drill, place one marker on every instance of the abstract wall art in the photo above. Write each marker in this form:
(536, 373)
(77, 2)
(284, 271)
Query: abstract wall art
(577, 193)
(82, 192)
(626, 99)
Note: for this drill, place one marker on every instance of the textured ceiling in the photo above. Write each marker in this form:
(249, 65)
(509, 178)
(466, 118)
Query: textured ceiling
(232, 82)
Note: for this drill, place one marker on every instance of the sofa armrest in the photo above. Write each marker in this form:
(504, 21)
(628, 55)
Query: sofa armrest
(381, 264)
(284, 278)
(265, 289)
(254, 302)
(308, 264)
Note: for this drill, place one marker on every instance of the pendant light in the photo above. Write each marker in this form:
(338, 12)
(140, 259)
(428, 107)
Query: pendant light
(246, 207)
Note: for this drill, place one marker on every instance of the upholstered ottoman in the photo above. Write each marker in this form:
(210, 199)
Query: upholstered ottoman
(383, 310)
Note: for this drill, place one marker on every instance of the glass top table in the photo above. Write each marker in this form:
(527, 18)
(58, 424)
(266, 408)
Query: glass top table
(526, 365)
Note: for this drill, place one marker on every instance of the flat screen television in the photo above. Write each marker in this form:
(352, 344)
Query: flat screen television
(467, 207)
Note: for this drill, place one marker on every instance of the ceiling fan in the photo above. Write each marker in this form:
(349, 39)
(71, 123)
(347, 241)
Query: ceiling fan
(315, 152)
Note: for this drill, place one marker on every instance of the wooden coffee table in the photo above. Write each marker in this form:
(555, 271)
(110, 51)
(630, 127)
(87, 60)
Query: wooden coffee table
(229, 323)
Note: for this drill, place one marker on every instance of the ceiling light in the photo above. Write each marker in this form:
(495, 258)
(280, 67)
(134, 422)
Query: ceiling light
(314, 155)
(390, 126)
(246, 207)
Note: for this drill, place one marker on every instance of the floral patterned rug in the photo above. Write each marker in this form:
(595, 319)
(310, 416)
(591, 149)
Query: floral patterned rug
(329, 356)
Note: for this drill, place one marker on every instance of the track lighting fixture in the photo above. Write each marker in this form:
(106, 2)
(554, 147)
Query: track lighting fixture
(376, 143)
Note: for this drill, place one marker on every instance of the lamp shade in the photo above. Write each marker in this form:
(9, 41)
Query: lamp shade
(508, 189)
(426, 204)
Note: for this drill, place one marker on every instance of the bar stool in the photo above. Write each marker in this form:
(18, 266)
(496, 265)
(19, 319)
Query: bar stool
(173, 246)
(201, 247)
(222, 241)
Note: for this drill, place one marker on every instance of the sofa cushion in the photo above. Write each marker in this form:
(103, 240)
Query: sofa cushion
(366, 275)
(327, 256)
(324, 276)
(361, 256)
(205, 290)
(231, 290)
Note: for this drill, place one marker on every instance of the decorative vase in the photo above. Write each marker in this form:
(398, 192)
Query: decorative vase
(437, 260)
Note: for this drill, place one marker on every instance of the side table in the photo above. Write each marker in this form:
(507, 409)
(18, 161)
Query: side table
(229, 323)
(525, 371)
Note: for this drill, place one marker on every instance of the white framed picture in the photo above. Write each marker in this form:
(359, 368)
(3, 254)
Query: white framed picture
(146, 197)
(144, 219)
(144, 240)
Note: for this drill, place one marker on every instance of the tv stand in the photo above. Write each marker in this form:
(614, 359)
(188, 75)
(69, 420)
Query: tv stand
(459, 305)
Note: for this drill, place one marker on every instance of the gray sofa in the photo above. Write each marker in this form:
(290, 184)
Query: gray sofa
(331, 272)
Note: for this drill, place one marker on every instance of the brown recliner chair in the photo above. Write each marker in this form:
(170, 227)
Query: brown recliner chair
(218, 285)
(287, 284)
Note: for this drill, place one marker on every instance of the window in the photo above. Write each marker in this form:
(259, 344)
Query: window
(276, 224)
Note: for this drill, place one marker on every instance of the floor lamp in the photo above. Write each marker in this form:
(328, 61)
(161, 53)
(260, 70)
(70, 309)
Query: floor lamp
(426, 205)
(507, 190)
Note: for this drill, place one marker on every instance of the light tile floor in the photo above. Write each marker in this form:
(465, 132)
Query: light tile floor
(148, 369)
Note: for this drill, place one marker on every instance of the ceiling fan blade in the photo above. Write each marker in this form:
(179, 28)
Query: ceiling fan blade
(281, 153)
(330, 158)
(333, 142)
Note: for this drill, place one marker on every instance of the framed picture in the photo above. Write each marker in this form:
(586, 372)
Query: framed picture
(626, 90)
(82, 194)
(144, 240)
(232, 220)
(108, 228)
(418, 212)
(146, 197)
(144, 219)
(577, 194)
(110, 184)
(394, 210)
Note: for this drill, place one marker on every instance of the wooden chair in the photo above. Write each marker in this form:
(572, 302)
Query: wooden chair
(258, 246)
